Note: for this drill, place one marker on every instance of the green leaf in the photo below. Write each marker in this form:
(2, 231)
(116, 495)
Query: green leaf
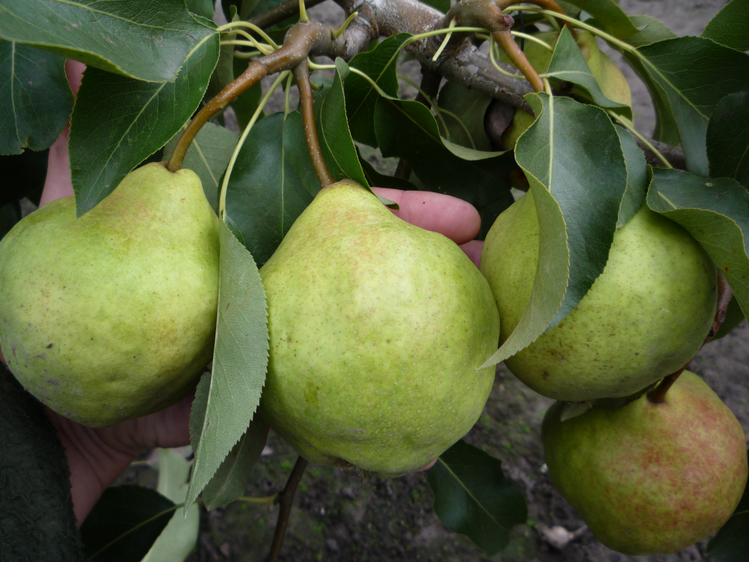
(208, 156)
(239, 364)
(376, 179)
(272, 182)
(139, 38)
(119, 121)
(35, 98)
(361, 97)
(247, 102)
(573, 160)
(442, 5)
(609, 16)
(232, 477)
(125, 523)
(694, 74)
(715, 213)
(23, 176)
(638, 177)
(465, 120)
(726, 139)
(731, 542)
(178, 539)
(732, 319)
(407, 129)
(336, 141)
(36, 511)
(650, 30)
(204, 8)
(473, 497)
(569, 65)
(729, 26)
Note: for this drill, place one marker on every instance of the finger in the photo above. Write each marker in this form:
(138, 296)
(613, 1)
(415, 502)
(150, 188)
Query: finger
(473, 249)
(450, 216)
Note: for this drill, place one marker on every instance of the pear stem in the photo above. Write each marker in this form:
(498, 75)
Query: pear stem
(724, 295)
(302, 77)
(285, 499)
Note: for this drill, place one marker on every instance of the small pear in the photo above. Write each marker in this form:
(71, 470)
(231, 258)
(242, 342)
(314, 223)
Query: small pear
(112, 315)
(644, 317)
(650, 478)
(377, 330)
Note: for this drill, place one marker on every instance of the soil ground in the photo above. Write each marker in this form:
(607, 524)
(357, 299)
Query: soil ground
(339, 518)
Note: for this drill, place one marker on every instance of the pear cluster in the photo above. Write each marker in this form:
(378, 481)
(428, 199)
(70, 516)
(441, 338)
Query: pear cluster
(645, 477)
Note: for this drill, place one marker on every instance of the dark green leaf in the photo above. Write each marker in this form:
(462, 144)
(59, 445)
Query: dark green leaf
(465, 117)
(407, 129)
(731, 542)
(574, 162)
(361, 98)
(729, 27)
(10, 214)
(247, 102)
(141, 39)
(125, 523)
(732, 319)
(715, 212)
(119, 121)
(376, 179)
(208, 156)
(36, 511)
(726, 139)
(694, 74)
(35, 98)
(608, 15)
(272, 182)
(638, 178)
(203, 8)
(442, 5)
(232, 477)
(336, 141)
(239, 364)
(473, 497)
(569, 65)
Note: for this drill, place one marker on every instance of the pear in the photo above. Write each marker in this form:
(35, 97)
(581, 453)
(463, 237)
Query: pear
(644, 317)
(377, 330)
(611, 80)
(650, 478)
(112, 315)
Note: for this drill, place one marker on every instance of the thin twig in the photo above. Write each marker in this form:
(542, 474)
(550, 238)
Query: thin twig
(285, 499)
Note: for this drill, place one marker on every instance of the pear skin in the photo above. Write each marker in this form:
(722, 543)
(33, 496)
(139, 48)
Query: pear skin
(377, 330)
(112, 315)
(650, 478)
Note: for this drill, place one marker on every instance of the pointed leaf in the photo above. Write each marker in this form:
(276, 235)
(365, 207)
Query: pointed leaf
(573, 160)
(232, 477)
(408, 130)
(208, 156)
(119, 121)
(726, 139)
(125, 523)
(35, 98)
(336, 141)
(569, 65)
(272, 182)
(729, 27)
(715, 212)
(694, 74)
(650, 30)
(638, 177)
(178, 539)
(473, 497)
(609, 15)
(731, 542)
(139, 38)
(361, 98)
(239, 363)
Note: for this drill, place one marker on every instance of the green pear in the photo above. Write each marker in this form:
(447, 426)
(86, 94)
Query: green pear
(112, 315)
(611, 80)
(650, 478)
(644, 317)
(377, 330)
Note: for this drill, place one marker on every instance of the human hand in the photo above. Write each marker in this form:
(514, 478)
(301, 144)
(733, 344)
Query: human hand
(96, 457)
